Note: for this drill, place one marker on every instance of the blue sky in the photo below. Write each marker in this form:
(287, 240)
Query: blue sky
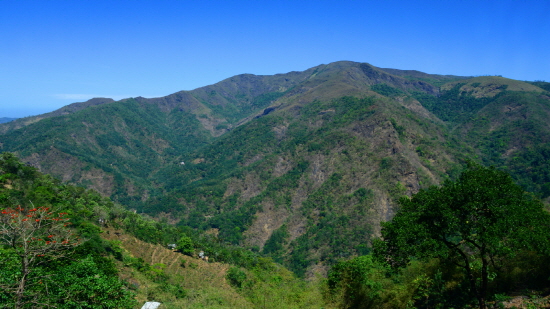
(54, 53)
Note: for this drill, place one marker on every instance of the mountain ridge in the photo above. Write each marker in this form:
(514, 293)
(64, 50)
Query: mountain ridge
(18, 123)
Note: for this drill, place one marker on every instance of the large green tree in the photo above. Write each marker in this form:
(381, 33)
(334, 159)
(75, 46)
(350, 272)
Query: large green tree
(475, 222)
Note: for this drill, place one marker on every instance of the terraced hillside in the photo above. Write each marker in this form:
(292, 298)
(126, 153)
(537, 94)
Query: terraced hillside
(204, 282)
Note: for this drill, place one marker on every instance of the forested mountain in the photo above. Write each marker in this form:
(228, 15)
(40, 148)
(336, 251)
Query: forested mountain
(300, 166)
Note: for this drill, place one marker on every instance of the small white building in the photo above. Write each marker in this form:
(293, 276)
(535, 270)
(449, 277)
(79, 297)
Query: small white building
(151, 305)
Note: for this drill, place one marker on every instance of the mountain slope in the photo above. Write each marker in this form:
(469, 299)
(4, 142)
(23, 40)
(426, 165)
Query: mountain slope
(300, 166)
(65, 110)
(111, 148)
(513, 133)
(505, 121)
(310, 185)
(116, 147)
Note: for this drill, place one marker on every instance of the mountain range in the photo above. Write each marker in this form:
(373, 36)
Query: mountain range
(301, 166)
(6, 119)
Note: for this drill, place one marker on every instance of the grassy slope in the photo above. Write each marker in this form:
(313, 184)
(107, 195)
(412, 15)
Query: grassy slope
(206, 283)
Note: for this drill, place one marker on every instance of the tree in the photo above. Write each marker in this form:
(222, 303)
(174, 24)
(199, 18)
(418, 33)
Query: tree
(475, 223)
(84, 285)
(359, 281)
(186, 246)
(35, 236)
(39, 268)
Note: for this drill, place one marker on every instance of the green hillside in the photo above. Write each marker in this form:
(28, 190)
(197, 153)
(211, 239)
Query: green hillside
(267, 173)
(112, 148)
(65, 110)
(68, 247)
(504, 120)
(302, 166)
(513, 133)
(317, 180)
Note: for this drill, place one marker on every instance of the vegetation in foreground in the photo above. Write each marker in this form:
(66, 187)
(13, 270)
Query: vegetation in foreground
(51, 253)
(464, 244)
(468, 243)
(63, 247)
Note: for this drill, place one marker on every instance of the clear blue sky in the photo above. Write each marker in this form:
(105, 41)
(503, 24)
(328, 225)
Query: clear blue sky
(54, 53)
